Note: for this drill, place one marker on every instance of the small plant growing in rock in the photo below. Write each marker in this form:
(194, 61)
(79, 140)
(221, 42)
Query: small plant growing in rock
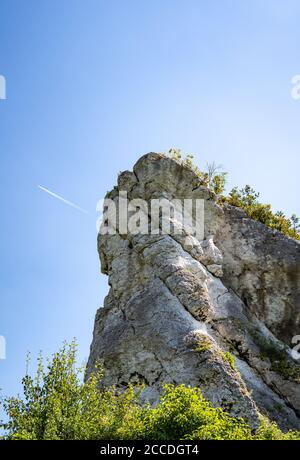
(212, 178)
(279, 359)
(203, 345)
(229, 358)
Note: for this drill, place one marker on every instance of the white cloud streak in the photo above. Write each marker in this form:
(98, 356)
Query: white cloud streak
(63, 199)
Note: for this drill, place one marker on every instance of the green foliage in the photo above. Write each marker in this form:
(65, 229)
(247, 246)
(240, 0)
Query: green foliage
(212, 178)
(229, 358)
(269, 431)
(202, 347)
(183, 413)
(245, 198)
(218, 183)
(203, 344)
(57, 405)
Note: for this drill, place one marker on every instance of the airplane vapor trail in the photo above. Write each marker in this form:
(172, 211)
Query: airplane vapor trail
(63, 199)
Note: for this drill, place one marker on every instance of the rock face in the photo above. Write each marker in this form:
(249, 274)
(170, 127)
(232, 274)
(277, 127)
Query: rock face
(180, 307)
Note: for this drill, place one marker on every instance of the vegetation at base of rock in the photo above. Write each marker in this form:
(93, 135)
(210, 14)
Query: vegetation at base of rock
(245, 198)
(57, 405)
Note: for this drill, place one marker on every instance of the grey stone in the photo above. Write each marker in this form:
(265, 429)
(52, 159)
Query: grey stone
(176, 304)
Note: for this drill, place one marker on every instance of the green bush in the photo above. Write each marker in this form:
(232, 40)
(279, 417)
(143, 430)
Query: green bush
(245, 198)
(183, 413)
(57, 405)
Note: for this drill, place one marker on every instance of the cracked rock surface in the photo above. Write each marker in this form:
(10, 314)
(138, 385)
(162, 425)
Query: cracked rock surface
(177, 306)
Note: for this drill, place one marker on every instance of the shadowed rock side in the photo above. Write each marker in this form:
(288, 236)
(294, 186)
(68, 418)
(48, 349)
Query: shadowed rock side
(177, 305)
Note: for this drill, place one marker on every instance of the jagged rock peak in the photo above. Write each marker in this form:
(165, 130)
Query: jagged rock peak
(182, 304)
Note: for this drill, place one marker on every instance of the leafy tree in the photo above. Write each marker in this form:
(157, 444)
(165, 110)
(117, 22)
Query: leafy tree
(57, 404)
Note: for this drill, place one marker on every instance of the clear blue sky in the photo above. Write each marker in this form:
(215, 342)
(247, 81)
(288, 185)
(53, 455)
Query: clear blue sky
(91, 86)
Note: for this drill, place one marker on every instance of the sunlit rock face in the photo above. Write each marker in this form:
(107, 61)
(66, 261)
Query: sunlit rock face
(179, 304)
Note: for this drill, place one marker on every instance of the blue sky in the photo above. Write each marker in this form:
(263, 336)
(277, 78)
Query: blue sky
(91, 86)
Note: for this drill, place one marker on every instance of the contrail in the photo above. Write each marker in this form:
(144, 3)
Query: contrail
(63, 199)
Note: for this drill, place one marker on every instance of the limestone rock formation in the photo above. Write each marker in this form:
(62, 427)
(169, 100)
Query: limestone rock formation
(179, 307)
